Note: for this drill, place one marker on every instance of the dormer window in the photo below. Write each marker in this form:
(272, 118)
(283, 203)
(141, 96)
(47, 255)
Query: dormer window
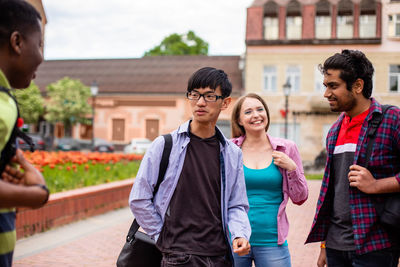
(271, 22)
(368, 19)
(294, 21)
(323, 20)
(345, 20)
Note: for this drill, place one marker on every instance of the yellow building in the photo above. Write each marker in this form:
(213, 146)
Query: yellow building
(287, 39)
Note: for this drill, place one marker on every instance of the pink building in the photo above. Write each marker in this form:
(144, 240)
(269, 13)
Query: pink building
(138, 98)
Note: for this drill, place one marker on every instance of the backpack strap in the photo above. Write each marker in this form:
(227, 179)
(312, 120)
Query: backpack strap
(163, 168)
(10, 148)
(16, 131)
(373, 127)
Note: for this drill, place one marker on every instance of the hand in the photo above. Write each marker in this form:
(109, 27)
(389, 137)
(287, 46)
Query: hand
(361, 178)
(30, 176)
(282, 160)
(241, 246)
(322, 258)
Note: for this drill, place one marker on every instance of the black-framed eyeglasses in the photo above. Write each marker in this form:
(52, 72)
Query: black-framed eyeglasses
(207, 97)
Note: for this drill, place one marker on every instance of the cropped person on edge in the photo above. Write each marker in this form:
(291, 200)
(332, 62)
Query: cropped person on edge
(273, 173)
(20, 55)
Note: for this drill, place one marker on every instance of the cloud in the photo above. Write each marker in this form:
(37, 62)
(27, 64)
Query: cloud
(128, 28)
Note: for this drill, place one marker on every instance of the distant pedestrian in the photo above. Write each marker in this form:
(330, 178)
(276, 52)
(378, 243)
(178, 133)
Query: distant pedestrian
(346, 220)
(20, 55)
(274, 173)
(199, 214)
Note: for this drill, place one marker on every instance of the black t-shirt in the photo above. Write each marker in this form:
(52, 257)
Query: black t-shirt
(193, 222)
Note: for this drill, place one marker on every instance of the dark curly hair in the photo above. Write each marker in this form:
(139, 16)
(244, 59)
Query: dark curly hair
(212, 78)
(353, 64)
(17, 15)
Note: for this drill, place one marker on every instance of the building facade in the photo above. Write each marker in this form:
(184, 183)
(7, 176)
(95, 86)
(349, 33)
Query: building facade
(137, 98)
(287, 39)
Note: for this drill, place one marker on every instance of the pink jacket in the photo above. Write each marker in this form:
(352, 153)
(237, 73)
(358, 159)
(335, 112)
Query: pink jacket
(294, 185)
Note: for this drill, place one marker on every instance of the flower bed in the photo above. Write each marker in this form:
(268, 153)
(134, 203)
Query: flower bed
(70, 170)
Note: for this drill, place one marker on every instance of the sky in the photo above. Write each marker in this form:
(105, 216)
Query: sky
(93, 29)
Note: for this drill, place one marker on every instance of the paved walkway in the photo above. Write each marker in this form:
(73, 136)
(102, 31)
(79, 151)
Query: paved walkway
(97, 241)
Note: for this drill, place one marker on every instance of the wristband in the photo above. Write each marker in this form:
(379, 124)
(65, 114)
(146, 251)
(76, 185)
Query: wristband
(44, 187)
(323, 245)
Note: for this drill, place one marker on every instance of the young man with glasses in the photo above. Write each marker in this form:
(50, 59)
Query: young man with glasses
(199, 213)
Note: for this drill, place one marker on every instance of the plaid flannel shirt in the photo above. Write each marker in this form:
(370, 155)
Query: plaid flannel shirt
(384, 162)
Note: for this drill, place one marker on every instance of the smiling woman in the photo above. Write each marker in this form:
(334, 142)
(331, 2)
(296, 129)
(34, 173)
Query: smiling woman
(273, 173)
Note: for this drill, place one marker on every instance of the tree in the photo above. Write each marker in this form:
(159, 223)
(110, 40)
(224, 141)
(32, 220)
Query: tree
(68, 103)
(30, 103)
(180, 44)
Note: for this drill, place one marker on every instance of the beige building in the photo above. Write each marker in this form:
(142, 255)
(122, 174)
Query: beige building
(287, 39)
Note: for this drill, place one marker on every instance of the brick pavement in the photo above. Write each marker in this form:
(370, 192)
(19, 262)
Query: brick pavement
(100, 247)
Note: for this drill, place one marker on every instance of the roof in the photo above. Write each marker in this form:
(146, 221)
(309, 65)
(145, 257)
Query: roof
(152, 75)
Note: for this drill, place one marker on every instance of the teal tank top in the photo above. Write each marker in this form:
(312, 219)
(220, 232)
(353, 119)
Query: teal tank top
(264, 191)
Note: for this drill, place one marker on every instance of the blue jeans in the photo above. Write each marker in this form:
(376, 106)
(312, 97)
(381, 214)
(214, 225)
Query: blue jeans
(265, 257)
(382, 258)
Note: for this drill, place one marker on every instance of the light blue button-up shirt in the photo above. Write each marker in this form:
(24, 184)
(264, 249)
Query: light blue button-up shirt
(150, 213)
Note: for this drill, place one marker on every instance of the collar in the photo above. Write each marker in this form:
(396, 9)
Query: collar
(359, 119)
(374, 108)
(185, 129)
(3, 80)
(275, 142)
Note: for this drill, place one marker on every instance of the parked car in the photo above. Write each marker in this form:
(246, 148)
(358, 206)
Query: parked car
(137, 146)
(67, 144)
(37, 140)
(101, 145)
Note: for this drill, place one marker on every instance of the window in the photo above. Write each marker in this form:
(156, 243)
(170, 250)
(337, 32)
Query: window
(344, 20)
(367, 19)
(293, 27)
(278, 130)
(323, 20)
(271, 28)
(394, 25)
(345, 27)
(271, 22)
(269, 79)
(323, 27)
(318, 80)
(367, 26)
(293, 20)
(293, 74)
(394, 78)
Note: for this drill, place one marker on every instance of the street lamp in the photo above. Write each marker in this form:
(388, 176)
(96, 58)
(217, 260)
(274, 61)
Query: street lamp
(94, 89)
(286, 92)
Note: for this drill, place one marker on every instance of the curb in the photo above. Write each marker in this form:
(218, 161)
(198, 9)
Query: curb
(73, 205)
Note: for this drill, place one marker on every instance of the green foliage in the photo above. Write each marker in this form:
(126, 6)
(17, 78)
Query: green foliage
(68, 102)
(180, 44)
(65, 177)
(314, 176)
(30, 103)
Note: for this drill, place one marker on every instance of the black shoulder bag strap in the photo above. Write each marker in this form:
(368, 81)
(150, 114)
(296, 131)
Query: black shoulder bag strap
(374, 125)
(388, 210)
(163, 168)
